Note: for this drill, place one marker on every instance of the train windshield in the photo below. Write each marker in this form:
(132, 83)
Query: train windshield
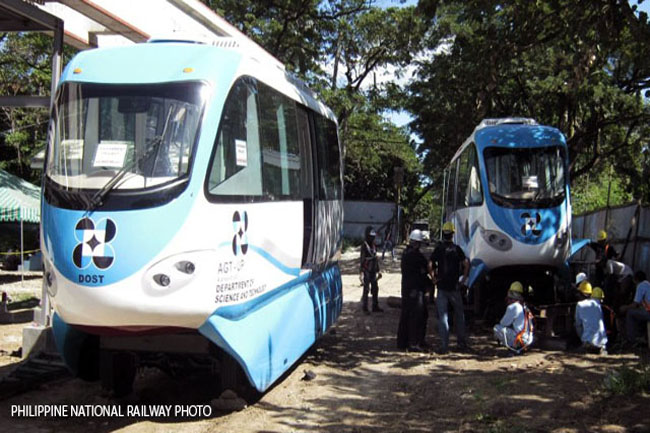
(526, 177)
(123, 136)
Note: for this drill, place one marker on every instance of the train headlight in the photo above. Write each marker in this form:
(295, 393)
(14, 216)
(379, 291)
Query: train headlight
(186, 267)
(497, 240)
(561, 239)
(162, 280)
(175, 272)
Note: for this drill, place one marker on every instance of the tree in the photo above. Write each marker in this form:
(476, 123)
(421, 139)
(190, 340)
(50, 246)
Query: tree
(338, 46)
(25, 69)
(582, 66)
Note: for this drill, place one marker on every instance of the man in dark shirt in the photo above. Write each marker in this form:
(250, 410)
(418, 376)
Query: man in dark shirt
(369, 271)
(447, 264)
(604, 251)
(415, 281)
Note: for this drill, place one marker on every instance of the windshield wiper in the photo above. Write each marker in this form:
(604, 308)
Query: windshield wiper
(98, 198)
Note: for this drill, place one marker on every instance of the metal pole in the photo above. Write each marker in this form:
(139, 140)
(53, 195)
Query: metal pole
(22, 261)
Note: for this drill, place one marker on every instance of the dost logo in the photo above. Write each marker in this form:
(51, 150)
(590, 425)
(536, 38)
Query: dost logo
(239, 227)
(94, 246)
(531, 225)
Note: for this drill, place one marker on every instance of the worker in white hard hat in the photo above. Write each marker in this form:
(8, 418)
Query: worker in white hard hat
(589, 321)
(412, 327)
(515, 329)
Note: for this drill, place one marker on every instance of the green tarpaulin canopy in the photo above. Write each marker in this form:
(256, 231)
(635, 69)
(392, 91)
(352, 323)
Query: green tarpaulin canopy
(19, 200)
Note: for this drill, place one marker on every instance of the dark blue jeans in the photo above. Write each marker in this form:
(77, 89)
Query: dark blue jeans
(443, 299)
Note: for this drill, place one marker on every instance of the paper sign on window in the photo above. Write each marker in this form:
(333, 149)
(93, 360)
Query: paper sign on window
(241, 152)
(110, 155)
(73, 148)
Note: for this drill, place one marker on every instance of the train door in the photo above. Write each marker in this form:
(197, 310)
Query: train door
(328, 189)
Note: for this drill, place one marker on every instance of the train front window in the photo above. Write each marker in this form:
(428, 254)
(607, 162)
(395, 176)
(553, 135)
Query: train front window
(526, 177)
(144, 134)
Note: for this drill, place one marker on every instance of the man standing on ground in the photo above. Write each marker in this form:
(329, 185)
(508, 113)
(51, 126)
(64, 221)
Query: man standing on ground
(415, 281)
(369, 271)
(447, 264)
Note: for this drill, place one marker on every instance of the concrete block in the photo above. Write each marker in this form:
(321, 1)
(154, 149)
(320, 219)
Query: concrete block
(37, 338)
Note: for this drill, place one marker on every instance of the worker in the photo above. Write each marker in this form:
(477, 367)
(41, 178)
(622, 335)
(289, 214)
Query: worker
(604, 251)
(609, 316)
(580, 278)
(515, 330)
(573, 293)
(589, 321)
(638, 312)
(446, 264)
(369, 272)
(411, 331)
(619, 283)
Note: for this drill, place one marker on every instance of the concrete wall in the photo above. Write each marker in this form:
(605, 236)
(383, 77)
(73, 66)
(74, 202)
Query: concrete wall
(360, 214)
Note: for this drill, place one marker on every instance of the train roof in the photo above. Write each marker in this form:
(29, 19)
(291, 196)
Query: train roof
(168, 60)
(513, 132)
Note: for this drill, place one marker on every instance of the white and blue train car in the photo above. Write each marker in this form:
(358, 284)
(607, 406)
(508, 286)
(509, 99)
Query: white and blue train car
(507, 193)
(192, 205)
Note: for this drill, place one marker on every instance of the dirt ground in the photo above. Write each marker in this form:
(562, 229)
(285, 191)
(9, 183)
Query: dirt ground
(363, 384)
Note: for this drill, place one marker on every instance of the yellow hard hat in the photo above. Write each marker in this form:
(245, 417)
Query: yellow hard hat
(602, 235)
(597, 293)
(448, 227)
(516, 287)
(585, 288)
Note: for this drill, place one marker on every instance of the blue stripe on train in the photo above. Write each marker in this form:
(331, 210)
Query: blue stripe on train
(268, 334)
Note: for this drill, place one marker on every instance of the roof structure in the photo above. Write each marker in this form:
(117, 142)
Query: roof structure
(86, 24)
(19, 199)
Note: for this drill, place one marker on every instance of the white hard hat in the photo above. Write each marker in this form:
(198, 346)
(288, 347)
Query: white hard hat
(416, 235)
(581, 277)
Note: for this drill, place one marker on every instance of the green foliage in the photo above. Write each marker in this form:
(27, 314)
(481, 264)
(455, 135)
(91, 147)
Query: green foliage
(590, 191)
(374, 147)
(628, 381)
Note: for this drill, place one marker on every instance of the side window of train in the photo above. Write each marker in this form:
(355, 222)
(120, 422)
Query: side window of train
(281, 162)
(236, 166)
(453, 171)
(462, 180)
(327, 149)
(474, 196)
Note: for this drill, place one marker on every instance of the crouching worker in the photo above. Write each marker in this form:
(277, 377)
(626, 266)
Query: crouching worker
(515, 330)
(589, 320)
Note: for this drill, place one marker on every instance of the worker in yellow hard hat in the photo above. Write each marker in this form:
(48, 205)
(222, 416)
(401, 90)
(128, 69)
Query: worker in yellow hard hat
(609, 315)
(589, 323)
(515, 330)
(604, 251)
(448, 228)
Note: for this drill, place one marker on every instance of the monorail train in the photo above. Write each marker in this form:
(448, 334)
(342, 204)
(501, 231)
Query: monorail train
(507, 192)
(191, 213)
